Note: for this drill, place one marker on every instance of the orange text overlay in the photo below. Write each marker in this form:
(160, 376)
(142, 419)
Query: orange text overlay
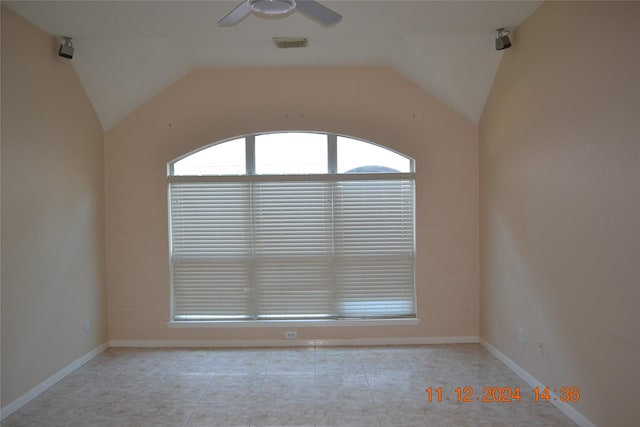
(503, 394)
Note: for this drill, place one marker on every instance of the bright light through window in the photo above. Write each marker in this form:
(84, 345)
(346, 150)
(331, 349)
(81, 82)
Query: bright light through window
(356, 156)
(291, 153)
(227, 158)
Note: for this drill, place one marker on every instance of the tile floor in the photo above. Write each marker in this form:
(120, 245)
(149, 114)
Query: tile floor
(355, 386)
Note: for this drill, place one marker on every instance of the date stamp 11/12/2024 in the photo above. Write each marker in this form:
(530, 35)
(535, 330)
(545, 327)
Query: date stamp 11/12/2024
(503, 394)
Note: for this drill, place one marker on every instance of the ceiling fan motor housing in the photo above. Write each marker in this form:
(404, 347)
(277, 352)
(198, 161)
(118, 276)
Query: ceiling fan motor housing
(311, 8)
(272, 7)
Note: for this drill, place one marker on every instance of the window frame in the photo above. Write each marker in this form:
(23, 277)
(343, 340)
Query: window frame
(251, 176)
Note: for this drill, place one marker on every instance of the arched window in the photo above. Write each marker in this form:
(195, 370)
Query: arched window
(292, 226)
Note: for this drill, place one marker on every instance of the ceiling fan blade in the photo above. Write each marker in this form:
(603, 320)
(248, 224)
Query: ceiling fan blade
(318, 12)
(237, 14)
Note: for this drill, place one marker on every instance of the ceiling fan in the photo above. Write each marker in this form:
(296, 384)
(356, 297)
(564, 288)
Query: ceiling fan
(312, 8)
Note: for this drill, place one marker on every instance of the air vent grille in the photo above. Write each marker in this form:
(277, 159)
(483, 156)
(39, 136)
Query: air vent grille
(290, 42)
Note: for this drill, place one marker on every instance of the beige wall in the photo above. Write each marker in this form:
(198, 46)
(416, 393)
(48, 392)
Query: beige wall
(560, 204)
(53, 275)
(371, 103)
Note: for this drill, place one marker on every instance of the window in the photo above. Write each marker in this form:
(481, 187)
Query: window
(292, 226)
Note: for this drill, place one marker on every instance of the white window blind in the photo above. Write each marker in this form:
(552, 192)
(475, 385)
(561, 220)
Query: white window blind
(374, 248)
(316, 247)
(292, 240)
(211, 250)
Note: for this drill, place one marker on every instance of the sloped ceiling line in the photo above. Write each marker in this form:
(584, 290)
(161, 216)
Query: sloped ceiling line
(126, 52)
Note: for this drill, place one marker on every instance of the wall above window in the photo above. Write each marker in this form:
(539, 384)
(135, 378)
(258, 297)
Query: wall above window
(369, 103)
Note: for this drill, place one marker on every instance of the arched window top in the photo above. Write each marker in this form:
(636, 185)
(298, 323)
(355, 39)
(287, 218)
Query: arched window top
(291, 153)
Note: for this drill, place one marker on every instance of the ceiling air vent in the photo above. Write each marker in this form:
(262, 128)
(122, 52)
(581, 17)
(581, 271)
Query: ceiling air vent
(289, 42)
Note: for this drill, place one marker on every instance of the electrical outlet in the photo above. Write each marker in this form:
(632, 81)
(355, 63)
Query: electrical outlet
(87, 325)
(290, 335)
(541, 349)
(521, 335)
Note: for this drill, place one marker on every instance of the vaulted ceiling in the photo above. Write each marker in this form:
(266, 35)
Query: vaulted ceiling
(128, 51)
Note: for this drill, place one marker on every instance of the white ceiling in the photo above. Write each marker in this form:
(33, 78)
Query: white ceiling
(128, 51)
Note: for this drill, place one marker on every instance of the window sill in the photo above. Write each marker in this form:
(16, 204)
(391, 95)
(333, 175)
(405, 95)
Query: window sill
(291, 323)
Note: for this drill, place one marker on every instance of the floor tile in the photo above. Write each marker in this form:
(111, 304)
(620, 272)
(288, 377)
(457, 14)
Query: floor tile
(347, 386)
(292, 386)
(360, 412)
(408, 412)
(180, 388)
(283, 412)
(222, 413)
(232, 387)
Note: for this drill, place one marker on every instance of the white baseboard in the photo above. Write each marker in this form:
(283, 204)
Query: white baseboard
(293, 343)
(44, 385)
(567, 409)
